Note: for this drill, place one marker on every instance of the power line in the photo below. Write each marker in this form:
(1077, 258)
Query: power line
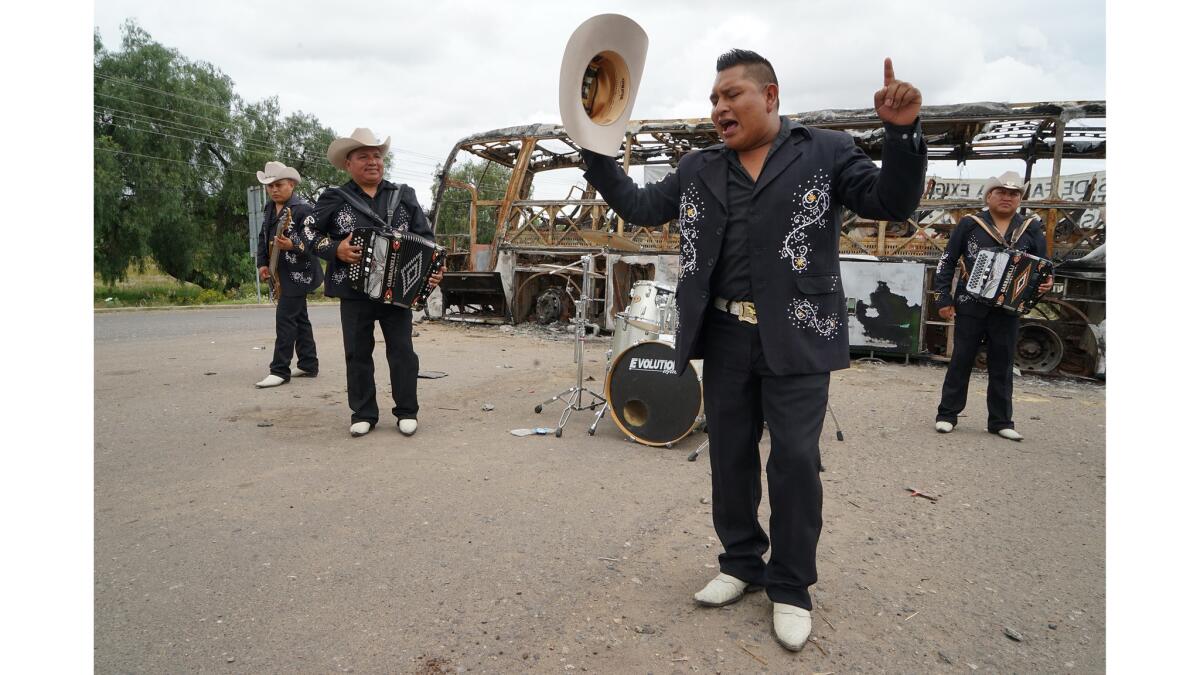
(160, 91)
(431, 158)
(191, 128)
(168, 159)
(157, 107)
(399, 169)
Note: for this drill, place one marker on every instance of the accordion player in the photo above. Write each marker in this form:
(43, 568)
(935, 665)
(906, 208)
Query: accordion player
(1008, 278)
(395, 267)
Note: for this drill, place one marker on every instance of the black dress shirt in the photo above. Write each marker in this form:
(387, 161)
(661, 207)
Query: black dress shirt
(731, 276)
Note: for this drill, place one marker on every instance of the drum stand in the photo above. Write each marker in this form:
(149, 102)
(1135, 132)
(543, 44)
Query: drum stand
(574, 396)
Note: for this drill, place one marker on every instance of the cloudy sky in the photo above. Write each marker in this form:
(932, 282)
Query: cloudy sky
(429, 73)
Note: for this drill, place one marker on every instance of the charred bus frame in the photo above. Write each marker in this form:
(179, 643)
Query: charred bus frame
(520, 274)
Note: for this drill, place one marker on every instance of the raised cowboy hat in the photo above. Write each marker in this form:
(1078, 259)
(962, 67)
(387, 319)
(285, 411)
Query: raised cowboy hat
(601, 70)
(274, 171)
(362, 137)
(1008, 179)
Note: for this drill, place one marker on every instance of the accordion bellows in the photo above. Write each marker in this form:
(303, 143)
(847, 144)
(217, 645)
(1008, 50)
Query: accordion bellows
(395, 266)
(1008, 278)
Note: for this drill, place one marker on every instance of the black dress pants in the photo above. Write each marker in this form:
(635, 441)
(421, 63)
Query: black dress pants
(740, 393)
(293, 332)
(1000, 329)
(358, 337)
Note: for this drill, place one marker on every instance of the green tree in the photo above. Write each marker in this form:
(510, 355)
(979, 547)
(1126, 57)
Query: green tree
(490, 180)
(175, 150)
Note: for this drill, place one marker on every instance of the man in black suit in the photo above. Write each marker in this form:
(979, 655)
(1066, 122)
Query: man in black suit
(1001, 224)
(760, 300)
(328, 232)
(299, 274)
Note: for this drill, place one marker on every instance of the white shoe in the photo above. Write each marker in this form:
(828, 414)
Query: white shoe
(407, 427)
(1010, 434)
(722, 590)
(792, 625)
(360, 429)
(270, 381)
(297, 372)
(943, 427)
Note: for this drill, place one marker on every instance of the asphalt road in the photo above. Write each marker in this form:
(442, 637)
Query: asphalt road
(243, 530)
(125, 325)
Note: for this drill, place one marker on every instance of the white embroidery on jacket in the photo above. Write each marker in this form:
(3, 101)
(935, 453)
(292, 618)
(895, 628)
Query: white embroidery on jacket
(343, 220)
(812, 207)
(803, 314)
(691, 209)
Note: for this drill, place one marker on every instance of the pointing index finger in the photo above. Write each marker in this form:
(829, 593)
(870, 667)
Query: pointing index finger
(888, 75)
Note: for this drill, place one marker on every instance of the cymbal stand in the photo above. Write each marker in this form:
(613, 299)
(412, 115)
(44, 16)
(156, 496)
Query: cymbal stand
(574, 396)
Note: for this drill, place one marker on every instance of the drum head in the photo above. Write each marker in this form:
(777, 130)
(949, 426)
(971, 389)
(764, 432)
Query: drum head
(647, 400)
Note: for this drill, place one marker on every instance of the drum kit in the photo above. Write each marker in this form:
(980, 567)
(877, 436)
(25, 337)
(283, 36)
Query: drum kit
(647, 401)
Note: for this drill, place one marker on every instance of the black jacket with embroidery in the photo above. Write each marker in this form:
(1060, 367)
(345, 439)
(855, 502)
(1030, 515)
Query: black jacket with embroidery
(797, 209)
(299, 270)
(333, 218)
(965, 242)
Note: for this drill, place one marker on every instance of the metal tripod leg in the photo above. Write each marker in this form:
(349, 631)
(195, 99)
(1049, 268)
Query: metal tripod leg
(595, 422)
(557, 397)
(576, 403)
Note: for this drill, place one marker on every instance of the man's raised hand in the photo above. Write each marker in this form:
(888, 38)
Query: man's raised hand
(897, 102)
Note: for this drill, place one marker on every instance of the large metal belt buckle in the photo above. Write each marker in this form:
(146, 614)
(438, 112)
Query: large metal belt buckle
(747, 312)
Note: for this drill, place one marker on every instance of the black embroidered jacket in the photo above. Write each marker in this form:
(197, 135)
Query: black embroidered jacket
(333, 218)
(965, 242)
(299, 270)
(794, 226)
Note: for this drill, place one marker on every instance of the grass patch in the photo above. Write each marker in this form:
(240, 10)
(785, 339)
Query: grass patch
(152, 288)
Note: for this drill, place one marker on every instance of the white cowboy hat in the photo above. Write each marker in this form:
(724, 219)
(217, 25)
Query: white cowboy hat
(1008, 179)
(274, 171)
(601, 70)
(362, 137)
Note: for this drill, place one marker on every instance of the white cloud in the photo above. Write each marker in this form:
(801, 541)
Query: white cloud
(430, 73)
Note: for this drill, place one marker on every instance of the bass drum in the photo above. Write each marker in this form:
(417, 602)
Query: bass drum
(647, 400)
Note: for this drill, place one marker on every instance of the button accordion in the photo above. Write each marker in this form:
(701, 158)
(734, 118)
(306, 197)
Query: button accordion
(395, 266)
(1008, 278)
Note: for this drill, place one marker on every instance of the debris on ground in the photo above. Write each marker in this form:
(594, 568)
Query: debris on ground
(913, 492)
(540, 431)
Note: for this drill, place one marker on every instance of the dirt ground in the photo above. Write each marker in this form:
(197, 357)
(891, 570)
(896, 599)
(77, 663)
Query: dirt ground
(243, 530)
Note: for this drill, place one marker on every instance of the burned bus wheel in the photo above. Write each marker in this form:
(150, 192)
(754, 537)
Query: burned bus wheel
(1039, 349)
(551, 305)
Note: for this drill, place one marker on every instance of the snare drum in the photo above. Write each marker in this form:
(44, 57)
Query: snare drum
(647, 401)
(649, 315)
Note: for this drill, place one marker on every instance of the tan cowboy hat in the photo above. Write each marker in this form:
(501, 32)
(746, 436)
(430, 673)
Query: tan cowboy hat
(362, 137)
(1008, 179)
(274, 171)
(601, 70)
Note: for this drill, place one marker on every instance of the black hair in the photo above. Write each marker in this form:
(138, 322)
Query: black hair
(756, 66)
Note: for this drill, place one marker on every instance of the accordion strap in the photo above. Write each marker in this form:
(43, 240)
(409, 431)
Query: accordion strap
(989, 229)
(994, 234)
(364, 208)
(1024, 226)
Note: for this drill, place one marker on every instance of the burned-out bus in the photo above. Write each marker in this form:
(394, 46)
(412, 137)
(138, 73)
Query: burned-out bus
(513, 209)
